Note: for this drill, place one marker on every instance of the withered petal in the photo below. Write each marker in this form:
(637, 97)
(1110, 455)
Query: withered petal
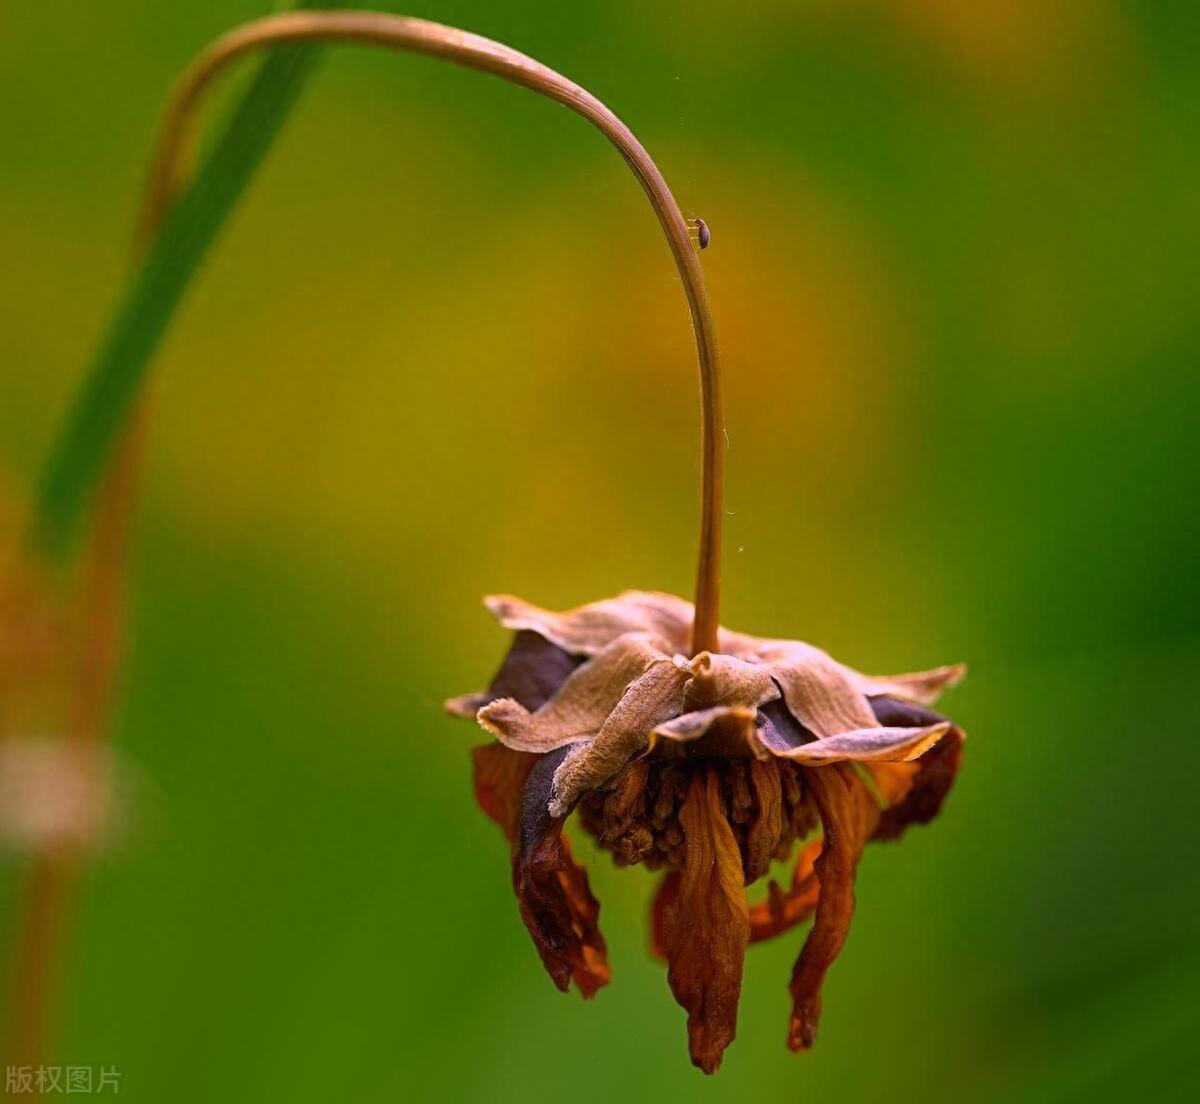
(736, 724)
(588, 629)
(579, 708)
(729, 681)
(818, 691)
(651, 698)
(848, 816)
(865, 745)
(556, 903)
(767, 827)
(784, 909)
(500, 775)
(705, 925)
(532, 671)
(923, 687)
(930, 778)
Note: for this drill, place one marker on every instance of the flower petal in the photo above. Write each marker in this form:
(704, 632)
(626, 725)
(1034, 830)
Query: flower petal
(705, 926)
(649, 699)
(582, 704)
(588, 629)
(531, 673)
(866, 745)
(552, 890)
(764, 834)
(818, 691)
(781, 909)
(917, 797)
(735, 723)
(500, 774)
(848, 814)
(727, 680)
(923, 687)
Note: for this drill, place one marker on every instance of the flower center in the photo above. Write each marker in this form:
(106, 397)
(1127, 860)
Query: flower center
(636, 815)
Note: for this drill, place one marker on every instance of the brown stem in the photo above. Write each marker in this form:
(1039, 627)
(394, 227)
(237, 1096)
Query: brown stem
(51, 874)
(470, 50)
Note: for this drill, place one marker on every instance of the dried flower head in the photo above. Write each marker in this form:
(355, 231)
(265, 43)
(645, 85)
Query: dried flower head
(708, 767)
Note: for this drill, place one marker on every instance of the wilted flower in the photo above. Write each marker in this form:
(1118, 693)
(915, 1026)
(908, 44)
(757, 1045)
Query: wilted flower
(709, 766)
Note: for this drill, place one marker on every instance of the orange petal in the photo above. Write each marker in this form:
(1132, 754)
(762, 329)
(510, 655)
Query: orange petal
(764, 833)
(500, 773)
(849, 815)
(552, 890)
(783, 910)
(705, 927)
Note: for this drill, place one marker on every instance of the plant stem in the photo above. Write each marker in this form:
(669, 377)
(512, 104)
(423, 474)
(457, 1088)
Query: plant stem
(97, 423)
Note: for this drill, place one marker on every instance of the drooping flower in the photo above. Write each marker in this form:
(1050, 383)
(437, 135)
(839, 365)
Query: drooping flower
(705, 766)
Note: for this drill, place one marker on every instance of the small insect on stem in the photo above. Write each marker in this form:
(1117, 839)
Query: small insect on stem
(699, 231)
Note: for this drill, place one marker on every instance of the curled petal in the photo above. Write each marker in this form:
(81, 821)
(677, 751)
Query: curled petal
(589, 629)
(500, 775)
(887, 745)
(818, 691)
(913, 793)
(848, 815)
(653, 697)
(782, 909)
(531, 673)
(727, 680)
(923, 687)
(582, 704)
(735, 723)
(705, 925)
(556, 903)
(764, 833)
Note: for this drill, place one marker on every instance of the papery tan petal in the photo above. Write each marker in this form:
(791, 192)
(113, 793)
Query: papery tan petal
(729, 681)
(887, 745)
(818, 691)
(920, 686)
(589, 629)
(531, 673)
(651, 698)
(556, 904)
(582, 704)
(735, 722)
(848, 815)
(784, 909)
(705, 927)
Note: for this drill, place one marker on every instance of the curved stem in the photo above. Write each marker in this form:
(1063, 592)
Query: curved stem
(473, 51)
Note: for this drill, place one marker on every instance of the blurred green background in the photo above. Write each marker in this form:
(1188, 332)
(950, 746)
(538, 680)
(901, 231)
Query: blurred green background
(441, 351)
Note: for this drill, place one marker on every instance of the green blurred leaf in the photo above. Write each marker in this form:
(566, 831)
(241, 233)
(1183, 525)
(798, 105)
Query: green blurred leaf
(106, 398)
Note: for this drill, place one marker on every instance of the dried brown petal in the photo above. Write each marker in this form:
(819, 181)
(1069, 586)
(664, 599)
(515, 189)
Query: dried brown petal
(817, 689)
(531, 673)
(589, 629)
(848, 815)
(767, 828)
(552, 890)
(705, 927)
(783, 910)
(918, 797)
(651, 698)
(500, 774)
(583, 702)
(886, 745)
(923, 687)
